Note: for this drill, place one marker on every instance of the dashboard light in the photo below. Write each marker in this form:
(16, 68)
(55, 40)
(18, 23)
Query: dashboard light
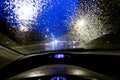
(59, 56)
(58, 78)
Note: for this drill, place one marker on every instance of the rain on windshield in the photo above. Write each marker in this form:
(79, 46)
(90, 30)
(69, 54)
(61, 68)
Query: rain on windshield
(34, 25)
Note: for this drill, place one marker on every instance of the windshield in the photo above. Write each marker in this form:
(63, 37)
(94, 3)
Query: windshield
(31, 26)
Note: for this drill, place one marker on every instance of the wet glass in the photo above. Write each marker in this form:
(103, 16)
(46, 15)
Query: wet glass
(31, 26)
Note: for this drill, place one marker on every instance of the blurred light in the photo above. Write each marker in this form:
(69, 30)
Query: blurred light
(104, 33)
(74, 46)
(80, 23)
(59, 56)
(47, 29)
(46, 36)
(25, 9)
(23, 29)
(58, 78)
(55, 42)
(22, 13)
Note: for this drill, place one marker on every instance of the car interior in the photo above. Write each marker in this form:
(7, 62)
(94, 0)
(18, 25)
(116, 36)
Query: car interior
(59, 39)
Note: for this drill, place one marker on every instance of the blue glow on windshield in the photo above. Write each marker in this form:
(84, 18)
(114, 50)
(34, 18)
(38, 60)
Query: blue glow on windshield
(49, 17)
(55, 20)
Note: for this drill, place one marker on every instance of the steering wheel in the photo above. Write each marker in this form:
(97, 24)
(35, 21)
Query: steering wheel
(60, 69)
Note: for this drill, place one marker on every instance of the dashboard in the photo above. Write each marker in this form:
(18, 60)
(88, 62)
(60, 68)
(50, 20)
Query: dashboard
(63, 65)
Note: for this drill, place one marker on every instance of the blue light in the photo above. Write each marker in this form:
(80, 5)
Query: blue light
(56, 18)
(59, 56)
(58, 78)
(47, 17)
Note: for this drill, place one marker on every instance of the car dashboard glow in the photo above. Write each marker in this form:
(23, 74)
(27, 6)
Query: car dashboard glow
(59, 56)
(58, 78)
